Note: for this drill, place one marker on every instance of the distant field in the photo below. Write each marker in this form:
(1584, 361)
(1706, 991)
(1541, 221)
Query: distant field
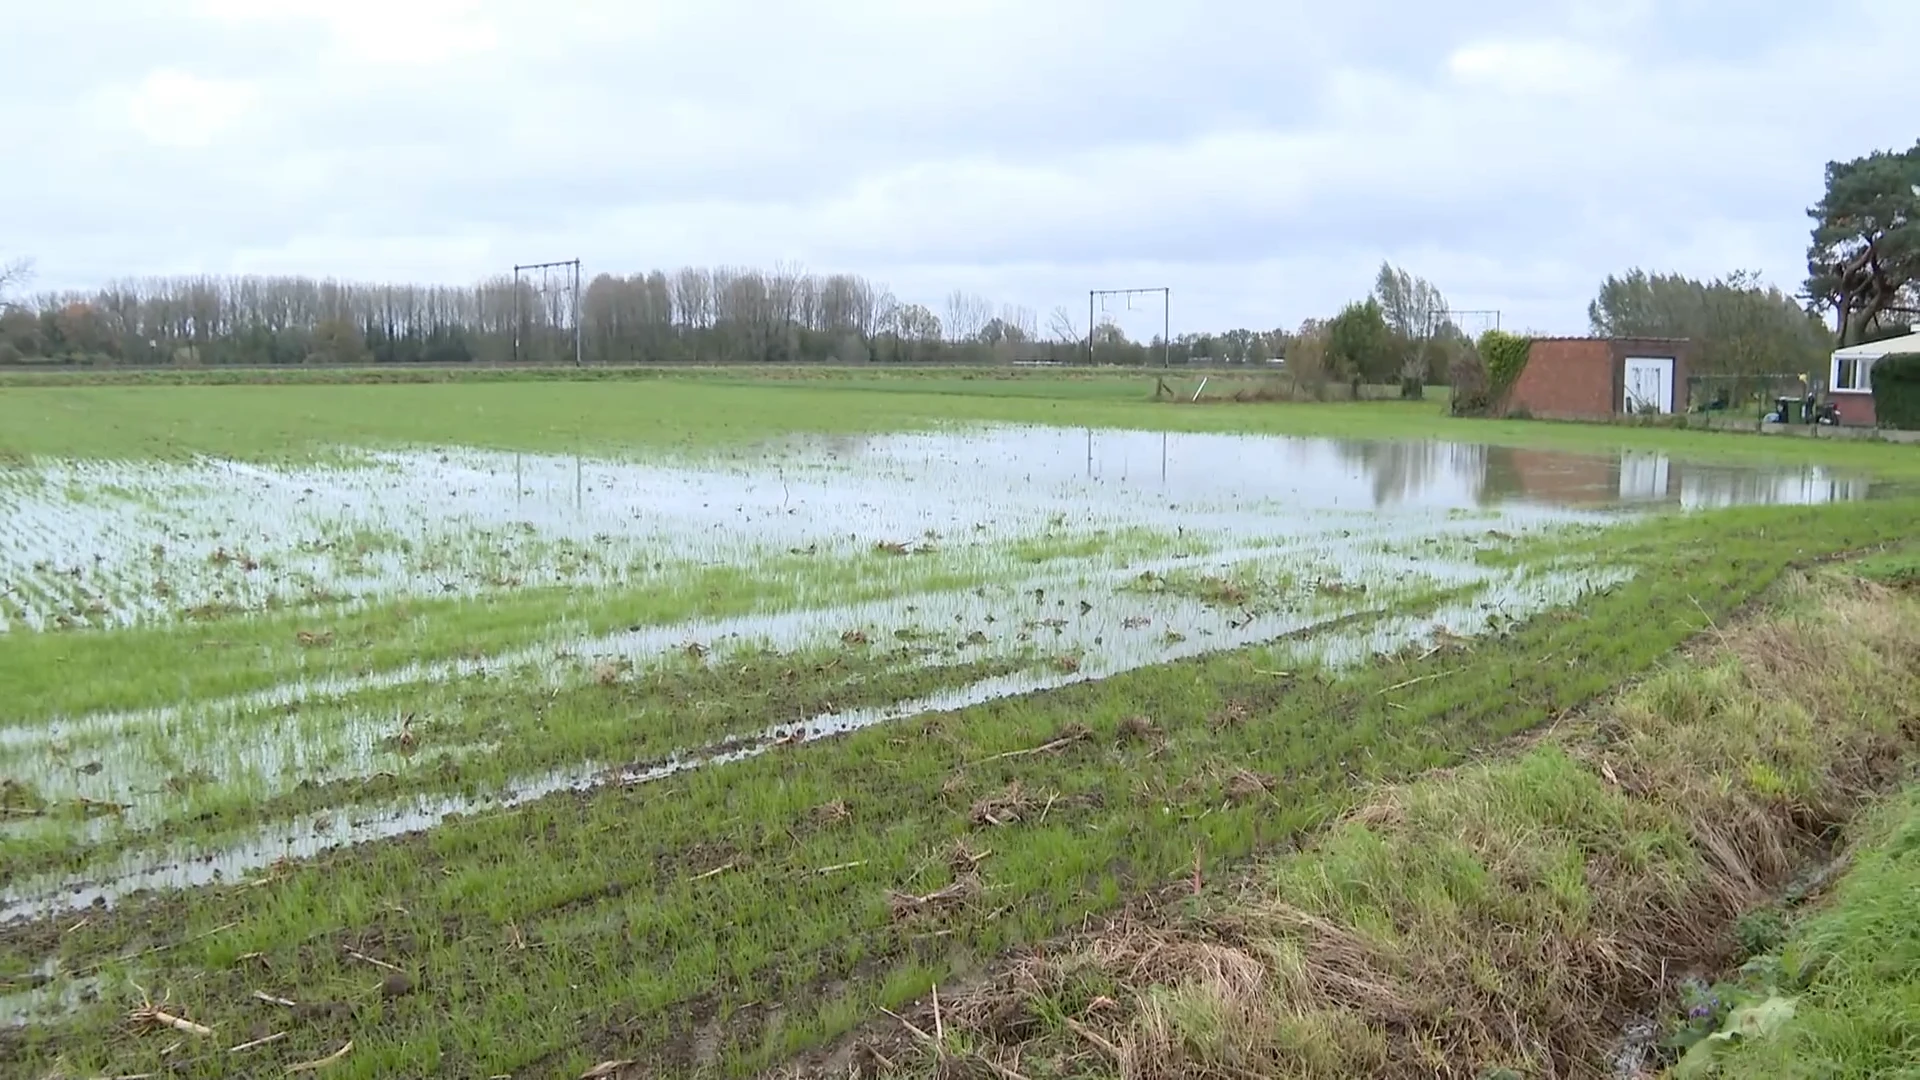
(509, 727)
(709, 407)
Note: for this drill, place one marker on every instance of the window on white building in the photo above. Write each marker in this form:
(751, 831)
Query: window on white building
(1853, 375)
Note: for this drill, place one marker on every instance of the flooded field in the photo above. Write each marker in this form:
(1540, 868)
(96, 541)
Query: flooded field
(821, 585)
(375, 751)
(105, 544)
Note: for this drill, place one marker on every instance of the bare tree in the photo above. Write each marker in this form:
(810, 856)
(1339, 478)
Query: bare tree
(1020, 319)
(1061, 325)
(967, 314)
(13, 275)
(693, 297)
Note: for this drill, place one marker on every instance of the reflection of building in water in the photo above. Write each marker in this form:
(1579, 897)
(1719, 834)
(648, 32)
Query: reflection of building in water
(1550, 476)
(1579, 479)
(1705, 488)
(1645, 476)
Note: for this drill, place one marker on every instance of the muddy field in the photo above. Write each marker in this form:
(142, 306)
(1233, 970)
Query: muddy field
(227, 673)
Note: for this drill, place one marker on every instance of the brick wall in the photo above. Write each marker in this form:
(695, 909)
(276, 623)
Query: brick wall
(1566, 377)
(1854, 408)
(1585, 378)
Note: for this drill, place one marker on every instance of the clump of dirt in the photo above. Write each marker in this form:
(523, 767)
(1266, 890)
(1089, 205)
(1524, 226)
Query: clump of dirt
(832, 813)
(20, 799)
(1231, 715)
(1075, 732)
(963, 858)
(1245, 785)
(1222, 593)
(1140, 729)
(1005, 807)
(956, 897)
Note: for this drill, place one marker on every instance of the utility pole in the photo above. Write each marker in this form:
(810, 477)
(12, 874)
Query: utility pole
(572, 267)
(1166, 318)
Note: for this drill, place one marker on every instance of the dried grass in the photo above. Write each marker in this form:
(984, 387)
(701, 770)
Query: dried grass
(963, 891)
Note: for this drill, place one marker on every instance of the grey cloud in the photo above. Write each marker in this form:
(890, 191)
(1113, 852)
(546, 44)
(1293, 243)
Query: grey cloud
(1265, 156)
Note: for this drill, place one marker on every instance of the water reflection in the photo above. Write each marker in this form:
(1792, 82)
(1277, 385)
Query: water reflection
(1460, 475)
(123, 543)
(1322, 474)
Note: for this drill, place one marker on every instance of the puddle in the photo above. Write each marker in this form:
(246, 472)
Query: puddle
(44, 993)
(315, 731)
(1509, 595)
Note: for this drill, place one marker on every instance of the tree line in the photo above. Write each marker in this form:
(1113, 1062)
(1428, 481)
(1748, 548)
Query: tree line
(1402, 332)
(689, 316)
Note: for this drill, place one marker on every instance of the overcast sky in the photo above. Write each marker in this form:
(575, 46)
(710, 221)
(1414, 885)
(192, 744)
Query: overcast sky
(1261, 157)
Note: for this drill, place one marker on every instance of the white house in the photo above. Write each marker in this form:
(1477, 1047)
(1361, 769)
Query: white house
(1850, 380)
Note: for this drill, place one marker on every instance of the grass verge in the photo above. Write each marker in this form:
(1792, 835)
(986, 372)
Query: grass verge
(1513, 918)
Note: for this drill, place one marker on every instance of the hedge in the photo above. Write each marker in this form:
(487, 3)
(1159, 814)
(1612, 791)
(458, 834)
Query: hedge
(1896, 391)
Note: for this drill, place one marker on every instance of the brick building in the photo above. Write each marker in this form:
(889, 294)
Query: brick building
(1850, 380)
(1595, 378)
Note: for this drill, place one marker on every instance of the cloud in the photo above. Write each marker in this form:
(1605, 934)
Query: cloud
(181, 110)
(1261, 158)
(376, 32)
(1538, 68)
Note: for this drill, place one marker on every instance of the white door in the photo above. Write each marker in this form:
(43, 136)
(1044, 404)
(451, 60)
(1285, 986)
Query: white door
(1649, 384)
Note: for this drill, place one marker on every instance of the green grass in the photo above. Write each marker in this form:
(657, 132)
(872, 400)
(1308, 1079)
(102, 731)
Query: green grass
(696, 411)
(1899, 567)
(664, 921)
(461, 737)
(1850, 968)
(76, 673)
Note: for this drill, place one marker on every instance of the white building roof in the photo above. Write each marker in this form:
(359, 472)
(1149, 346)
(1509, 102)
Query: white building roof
(1874, 350)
